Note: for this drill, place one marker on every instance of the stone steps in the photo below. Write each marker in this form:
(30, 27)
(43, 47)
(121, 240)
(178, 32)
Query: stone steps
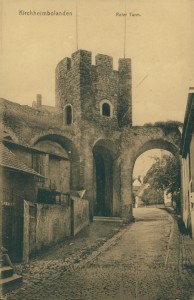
(8, 280)
(107, 219)
(8, 283)
(5, 272)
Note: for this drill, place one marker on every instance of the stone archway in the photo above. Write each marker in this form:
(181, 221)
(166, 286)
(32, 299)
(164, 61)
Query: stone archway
(54, 142)
(161, 145)
(106, 179)
(129, 157)
(156, 144)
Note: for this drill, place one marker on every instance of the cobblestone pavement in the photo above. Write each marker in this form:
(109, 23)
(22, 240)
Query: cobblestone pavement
(149, 259)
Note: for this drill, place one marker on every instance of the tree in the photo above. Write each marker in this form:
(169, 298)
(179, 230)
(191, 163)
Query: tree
(152, 196)
(165, 175)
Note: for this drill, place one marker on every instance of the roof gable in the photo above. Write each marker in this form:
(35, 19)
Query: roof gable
(9, 160)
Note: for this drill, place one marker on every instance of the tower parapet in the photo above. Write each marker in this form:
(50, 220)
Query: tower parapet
(95, 92)
(105, 62)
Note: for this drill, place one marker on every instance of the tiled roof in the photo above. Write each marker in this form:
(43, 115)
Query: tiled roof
(9, 160)
(10, 142)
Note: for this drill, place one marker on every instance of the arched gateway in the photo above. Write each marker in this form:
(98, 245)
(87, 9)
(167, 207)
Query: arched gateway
(100, 141)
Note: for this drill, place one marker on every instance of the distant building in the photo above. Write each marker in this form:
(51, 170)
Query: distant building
(167, 198)
(138, 190)
(18, 182)
(187, 153)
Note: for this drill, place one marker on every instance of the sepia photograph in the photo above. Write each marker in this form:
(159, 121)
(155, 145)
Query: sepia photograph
(97, 150)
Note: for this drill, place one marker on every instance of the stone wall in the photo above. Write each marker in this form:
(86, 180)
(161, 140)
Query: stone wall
(53, 224)
(81, 214)
(125, 92)
(45, 225)
(26, 125)
(84, 86)
(124, 144)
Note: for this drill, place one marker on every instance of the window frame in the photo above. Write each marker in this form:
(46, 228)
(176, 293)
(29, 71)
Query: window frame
(65, 118)
(105, 101)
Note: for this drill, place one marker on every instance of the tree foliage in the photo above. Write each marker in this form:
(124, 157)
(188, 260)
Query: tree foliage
(165, 175)
(152, 196)
(168, 127)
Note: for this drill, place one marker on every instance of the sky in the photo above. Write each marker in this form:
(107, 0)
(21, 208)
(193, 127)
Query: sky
(159, 40)
(146, 160)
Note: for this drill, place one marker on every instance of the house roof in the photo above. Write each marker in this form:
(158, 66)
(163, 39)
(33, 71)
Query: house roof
(137, 183)
(32, 149)
(188, 123)
(9, 160)
(141, 189)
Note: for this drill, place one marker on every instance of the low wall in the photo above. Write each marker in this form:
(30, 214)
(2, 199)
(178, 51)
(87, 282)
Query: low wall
(47, 224)
(81, 213)
(44, 226)
(53, 224)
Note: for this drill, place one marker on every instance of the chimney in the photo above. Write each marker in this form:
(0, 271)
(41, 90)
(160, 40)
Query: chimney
(39, 100)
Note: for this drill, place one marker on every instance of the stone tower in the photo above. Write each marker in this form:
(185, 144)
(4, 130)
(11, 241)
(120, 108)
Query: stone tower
(95, 93)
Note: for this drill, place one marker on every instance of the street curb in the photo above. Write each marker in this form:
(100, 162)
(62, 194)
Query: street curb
(103, 248)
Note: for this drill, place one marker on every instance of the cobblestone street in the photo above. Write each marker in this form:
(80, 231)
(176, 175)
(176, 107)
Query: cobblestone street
(148, 259)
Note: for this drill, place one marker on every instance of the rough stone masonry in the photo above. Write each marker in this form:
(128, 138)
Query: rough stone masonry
(92, 121)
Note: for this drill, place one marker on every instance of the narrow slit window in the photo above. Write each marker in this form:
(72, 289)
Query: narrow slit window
(68, 115)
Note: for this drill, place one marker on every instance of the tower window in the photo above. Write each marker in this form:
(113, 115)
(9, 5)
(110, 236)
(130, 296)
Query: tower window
(68, 114)
(106, 108)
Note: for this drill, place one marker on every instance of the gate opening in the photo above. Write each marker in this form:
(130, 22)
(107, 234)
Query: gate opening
(103, 166)
(156, 179)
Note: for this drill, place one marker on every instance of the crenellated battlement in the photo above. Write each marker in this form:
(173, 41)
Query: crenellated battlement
(63, 66)
(125, 67)
(84, 85)
(104, 61)
(83, 58)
